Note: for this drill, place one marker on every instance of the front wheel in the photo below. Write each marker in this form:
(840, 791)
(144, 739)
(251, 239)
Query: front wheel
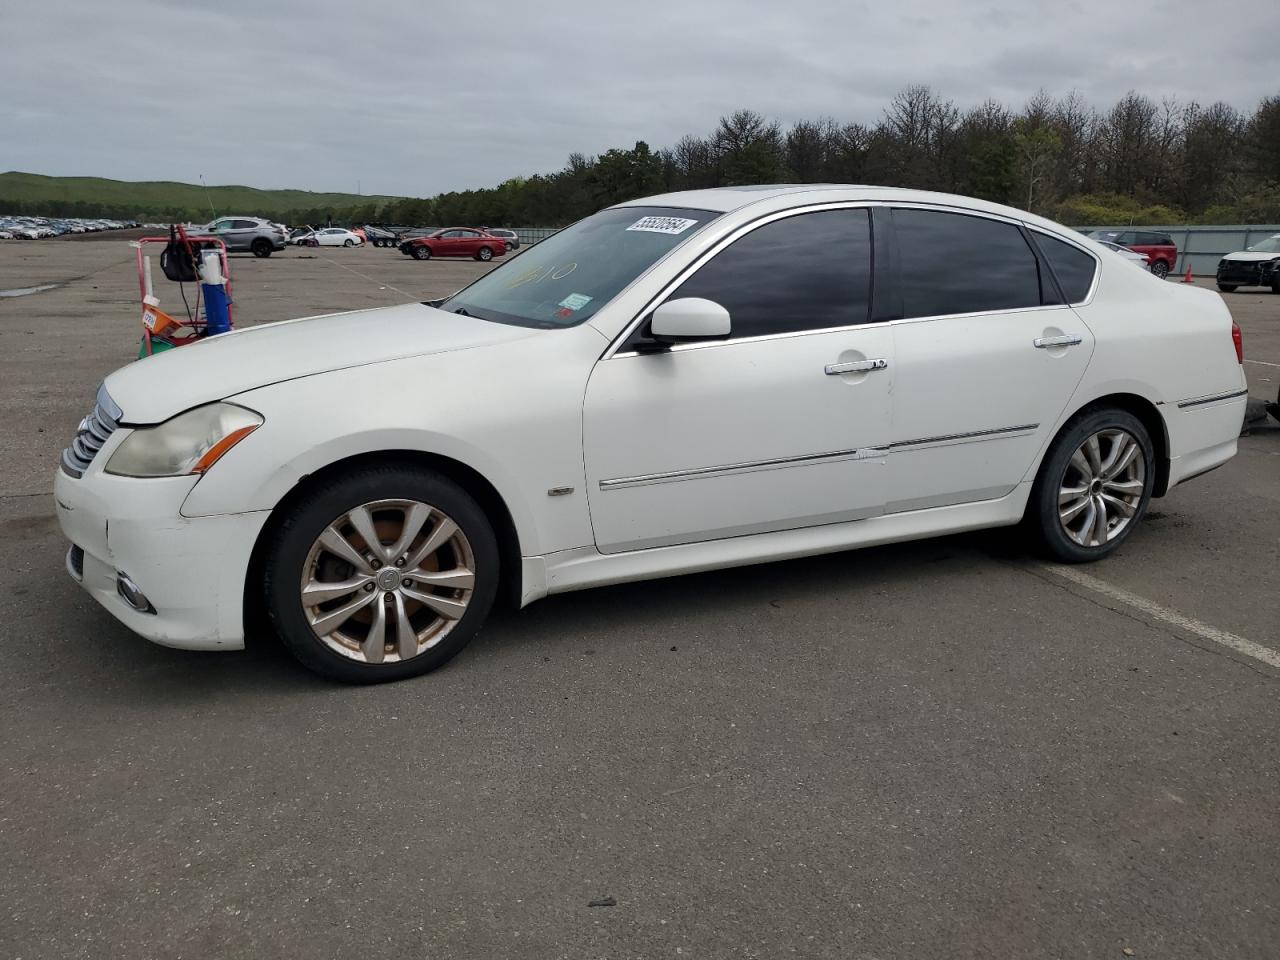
(1093, 487)
(348, 243)
(381, 574)
(1160, 269)
(1227, 287)
(484, 253)
(422, 253)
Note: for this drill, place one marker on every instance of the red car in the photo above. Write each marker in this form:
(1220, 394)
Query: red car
(455, 242)
(1158, 248)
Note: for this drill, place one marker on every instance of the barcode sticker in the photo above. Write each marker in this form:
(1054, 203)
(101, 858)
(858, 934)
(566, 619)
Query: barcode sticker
(672, 225)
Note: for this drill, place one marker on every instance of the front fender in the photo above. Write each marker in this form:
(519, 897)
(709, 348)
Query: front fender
(522, 434)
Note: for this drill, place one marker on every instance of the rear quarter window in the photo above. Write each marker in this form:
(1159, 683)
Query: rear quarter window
(1073, 267)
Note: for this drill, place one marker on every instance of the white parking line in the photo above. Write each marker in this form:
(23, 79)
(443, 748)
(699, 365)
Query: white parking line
(1203, 630)
(1262, 363)
(373, 280)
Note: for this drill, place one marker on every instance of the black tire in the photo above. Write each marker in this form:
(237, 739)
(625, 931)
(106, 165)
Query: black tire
(1160, 269)
(348, 243)
(1227, 287)
(261, 248)
(422, 252)
(1042, 517)
(484, 254)
(307, 518)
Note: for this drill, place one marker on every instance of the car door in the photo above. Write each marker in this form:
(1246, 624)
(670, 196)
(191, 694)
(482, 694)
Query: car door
(468, 243)
(782, 425)
(446, 245)
(987, 357)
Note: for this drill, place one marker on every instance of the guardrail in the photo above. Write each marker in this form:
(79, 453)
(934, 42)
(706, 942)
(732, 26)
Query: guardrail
(1201, 246)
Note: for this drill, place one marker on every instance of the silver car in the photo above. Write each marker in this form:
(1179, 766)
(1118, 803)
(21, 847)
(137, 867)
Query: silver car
(252, 234)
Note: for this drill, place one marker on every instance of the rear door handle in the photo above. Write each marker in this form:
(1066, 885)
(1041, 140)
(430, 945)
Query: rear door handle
(854, 366)
(1063, 341)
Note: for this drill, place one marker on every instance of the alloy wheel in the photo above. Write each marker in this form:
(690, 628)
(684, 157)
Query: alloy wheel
(1102, 487)
(387, 581)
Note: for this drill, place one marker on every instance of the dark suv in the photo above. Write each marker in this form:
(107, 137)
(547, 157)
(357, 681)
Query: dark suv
(1158, 248)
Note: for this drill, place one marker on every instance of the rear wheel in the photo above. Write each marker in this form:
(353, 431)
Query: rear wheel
(1227, 287)
(261, 248)
(484, 253)
(422, 252)
(1160, 269)
(1094, 486)
(381, 574)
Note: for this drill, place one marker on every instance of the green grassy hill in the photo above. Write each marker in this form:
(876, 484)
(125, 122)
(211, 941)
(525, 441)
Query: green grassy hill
(37, 195)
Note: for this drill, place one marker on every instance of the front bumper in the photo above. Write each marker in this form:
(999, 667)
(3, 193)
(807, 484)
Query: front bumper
(191, 570)
(1247, 273)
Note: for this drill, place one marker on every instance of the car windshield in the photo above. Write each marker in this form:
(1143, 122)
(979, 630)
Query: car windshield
(1269, 245)
(566, 278)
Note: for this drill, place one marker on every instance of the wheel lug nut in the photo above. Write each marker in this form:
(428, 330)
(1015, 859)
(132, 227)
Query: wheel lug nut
(388, 597)
(368, 588)
(375, 564)
(400, 562)
(406, 583)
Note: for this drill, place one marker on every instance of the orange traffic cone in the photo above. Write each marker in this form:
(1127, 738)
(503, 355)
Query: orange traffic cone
(1187, 278)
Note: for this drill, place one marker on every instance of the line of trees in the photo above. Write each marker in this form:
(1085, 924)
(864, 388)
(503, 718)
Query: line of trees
(1138, 162)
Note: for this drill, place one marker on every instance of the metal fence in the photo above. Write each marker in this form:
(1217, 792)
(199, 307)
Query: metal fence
(1202, 247)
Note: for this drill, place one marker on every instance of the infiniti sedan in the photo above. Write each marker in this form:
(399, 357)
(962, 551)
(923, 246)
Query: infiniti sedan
(681, 383)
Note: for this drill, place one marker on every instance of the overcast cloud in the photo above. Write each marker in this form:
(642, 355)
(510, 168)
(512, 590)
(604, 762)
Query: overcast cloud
(413, 98)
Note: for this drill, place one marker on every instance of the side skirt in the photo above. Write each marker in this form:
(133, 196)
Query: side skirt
(586, 567)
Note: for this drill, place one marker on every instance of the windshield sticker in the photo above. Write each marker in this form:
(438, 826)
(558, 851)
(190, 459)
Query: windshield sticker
(575, 301)
(672, 225)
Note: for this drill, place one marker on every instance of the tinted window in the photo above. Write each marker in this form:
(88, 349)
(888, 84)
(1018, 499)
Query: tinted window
(244, 225)
(1074, 267)
(806, 272)
(953, 263)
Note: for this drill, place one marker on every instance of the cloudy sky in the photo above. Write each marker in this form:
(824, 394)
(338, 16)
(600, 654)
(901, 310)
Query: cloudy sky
(412, 98)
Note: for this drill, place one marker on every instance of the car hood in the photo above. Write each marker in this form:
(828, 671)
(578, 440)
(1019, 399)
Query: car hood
(154, 389)
(1250, 256)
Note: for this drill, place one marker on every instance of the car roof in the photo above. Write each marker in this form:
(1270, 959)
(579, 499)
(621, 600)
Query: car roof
(783, 195)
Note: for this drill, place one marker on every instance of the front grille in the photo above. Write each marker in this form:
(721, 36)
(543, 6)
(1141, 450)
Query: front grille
(94, 431)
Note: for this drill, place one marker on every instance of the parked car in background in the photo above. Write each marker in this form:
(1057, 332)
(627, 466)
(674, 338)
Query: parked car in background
(1158, 248)
(509, 237)
(1137, 259)
(1257, 266)
(252, 234)
(338, 237)
(680, 383)
(455, 242)
(298, 233)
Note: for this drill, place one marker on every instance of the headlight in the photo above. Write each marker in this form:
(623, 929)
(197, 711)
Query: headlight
(190, 443)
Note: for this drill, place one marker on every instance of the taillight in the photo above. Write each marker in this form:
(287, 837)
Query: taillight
(1238, 341)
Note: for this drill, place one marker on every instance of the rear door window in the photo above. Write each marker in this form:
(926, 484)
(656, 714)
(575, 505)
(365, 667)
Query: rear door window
(955, 263)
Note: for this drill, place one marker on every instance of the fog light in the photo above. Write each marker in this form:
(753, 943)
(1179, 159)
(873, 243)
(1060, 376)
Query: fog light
(129, 591)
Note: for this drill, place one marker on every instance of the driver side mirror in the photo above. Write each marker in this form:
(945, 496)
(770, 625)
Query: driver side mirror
(689, 319)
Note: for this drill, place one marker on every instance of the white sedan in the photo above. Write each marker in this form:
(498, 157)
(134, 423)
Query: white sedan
(681, 383)
(329, 237)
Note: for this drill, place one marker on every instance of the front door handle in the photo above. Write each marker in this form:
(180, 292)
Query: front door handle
(854, 366)
(1064, 341)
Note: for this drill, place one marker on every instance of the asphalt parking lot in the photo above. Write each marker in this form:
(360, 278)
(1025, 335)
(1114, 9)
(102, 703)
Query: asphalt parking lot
(938, 749)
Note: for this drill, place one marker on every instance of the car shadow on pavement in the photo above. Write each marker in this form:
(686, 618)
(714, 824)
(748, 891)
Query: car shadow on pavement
(111, 663)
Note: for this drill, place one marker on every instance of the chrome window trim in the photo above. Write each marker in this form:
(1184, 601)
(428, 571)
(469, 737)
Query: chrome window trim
(1212, 398)
(834, 456)
(615, 348)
